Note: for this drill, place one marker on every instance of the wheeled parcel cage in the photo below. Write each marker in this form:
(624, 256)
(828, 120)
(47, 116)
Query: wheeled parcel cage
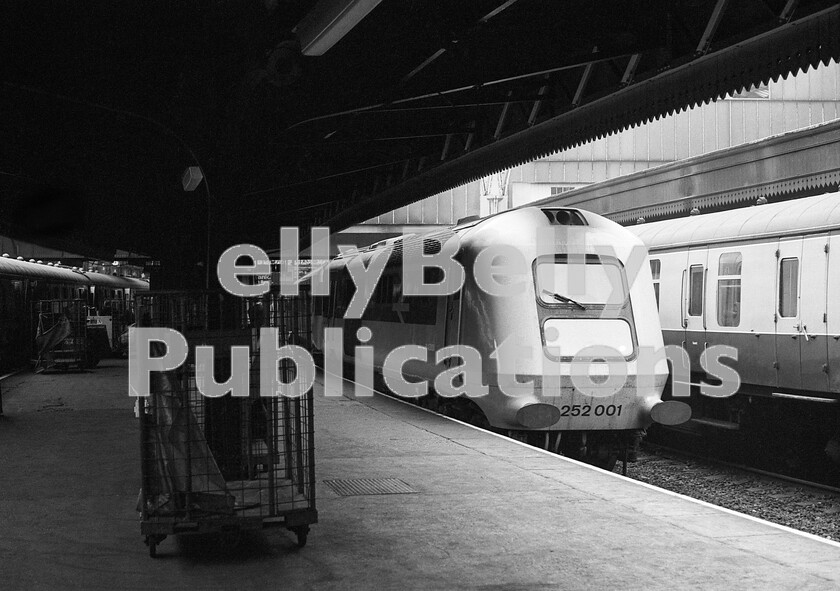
(226, 464)
(61, 338)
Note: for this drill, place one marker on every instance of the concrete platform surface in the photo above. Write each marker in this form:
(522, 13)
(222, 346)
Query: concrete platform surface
(487, 513)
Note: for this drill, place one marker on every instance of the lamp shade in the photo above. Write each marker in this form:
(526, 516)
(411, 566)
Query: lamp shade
(191, 178)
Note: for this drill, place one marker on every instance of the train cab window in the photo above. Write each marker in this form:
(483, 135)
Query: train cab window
(788, 287)
(695, 290)
(655, 270)
(729, 289)
(575, 283)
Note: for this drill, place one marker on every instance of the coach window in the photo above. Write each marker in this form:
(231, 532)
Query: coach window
(655, 267)
(340, 293)
(729, 289)
(695, 293)
(788, 287)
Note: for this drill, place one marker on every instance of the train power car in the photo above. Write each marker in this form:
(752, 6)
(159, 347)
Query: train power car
(34, 295)
(764, 280)
(585, 305)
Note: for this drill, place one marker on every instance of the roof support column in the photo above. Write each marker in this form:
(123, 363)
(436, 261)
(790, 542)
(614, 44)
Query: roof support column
(584, 80)
(446, 145)
(787, 11)
(470, 137)
(630, 70)
(538, 103)
(503, 117)
(711, 27)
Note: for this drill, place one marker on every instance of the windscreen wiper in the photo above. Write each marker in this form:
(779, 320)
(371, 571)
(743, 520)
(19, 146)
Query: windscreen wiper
(564, 299)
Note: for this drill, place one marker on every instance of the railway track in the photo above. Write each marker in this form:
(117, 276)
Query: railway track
(817, 486)
(807, 506)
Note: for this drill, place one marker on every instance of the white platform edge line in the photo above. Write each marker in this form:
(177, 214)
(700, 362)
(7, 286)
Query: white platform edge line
(783, 528)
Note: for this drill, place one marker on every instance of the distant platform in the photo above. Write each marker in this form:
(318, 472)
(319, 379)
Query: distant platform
(406, 499)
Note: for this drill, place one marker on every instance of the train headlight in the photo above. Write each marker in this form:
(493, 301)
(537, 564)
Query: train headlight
(538, 416)
(670, 412)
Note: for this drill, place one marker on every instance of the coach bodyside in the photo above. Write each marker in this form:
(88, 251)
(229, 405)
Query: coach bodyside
(762, 281)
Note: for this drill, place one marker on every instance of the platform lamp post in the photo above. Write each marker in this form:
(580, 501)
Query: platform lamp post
(190, 180)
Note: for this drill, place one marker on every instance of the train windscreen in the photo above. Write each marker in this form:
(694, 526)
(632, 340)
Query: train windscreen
(588, 281)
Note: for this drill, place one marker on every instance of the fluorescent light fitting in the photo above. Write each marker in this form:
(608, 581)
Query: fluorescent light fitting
(328, 22)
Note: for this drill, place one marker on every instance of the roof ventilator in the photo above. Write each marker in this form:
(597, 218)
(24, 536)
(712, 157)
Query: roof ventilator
(565, 217)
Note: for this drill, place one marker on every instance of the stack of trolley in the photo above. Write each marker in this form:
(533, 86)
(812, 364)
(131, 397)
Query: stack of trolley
(227, 464)
(121, 317)
(62, 334)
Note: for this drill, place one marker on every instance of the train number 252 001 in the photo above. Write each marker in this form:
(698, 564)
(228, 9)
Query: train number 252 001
(585, 410)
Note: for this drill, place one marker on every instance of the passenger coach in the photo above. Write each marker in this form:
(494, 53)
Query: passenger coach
(33, 295)
(766, 281)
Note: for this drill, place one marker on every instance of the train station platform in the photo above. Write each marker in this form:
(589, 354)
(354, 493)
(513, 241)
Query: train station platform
(454, 508)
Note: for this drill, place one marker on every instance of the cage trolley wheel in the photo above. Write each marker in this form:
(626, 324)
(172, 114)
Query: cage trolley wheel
(152, 542)
(301, 531)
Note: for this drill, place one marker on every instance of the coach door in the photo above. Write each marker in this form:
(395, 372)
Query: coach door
(788, 324)
(694, 305)
(833, 313)
(813, 350)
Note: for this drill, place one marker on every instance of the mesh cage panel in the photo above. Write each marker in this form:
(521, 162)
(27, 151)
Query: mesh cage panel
(222, 460)
(61, 333)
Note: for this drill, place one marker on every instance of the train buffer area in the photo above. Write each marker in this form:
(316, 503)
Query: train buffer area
(406, 499)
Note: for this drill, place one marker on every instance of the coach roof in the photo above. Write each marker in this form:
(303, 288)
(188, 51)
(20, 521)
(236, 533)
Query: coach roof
(10, 267)
(807, 215)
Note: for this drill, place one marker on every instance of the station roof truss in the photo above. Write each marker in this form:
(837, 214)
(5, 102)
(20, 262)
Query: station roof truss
(105, 104)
